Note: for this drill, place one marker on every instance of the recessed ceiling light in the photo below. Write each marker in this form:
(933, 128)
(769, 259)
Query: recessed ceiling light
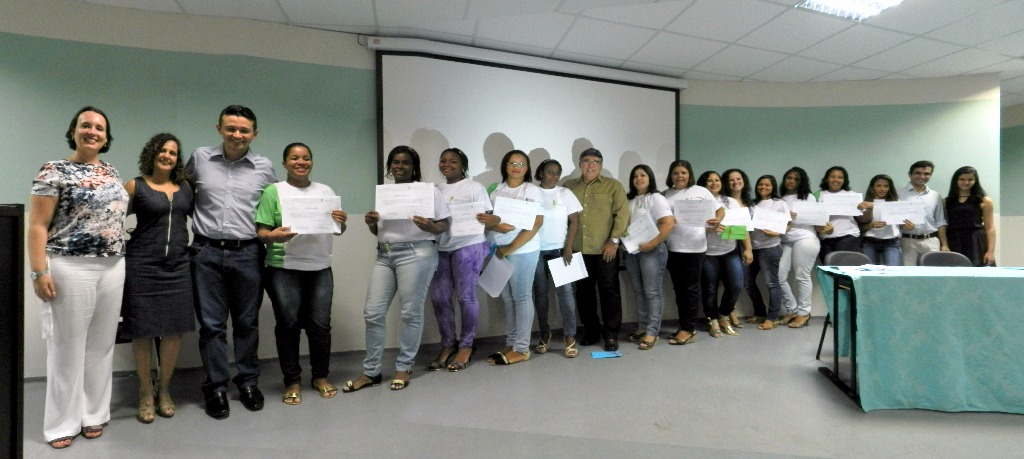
(856, 10)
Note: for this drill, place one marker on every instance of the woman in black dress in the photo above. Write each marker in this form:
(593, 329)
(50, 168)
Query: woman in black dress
(158, 287)
(971, 230)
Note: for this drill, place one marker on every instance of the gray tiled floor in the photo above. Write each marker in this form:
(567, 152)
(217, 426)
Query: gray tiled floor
(755, 395)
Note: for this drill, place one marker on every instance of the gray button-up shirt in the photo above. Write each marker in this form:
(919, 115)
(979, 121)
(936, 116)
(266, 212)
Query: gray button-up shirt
(227, 192)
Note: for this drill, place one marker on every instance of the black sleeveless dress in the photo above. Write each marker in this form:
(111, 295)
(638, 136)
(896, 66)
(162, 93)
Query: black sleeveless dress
(965, 231)
(158, 285)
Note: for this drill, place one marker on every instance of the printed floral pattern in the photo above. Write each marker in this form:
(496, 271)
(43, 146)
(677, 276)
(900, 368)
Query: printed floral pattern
(91, 208)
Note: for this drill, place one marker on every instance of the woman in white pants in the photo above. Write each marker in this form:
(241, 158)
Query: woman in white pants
(800, 246)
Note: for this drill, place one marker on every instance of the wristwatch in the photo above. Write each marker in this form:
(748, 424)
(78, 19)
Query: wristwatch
(615, 240)
(35, 275)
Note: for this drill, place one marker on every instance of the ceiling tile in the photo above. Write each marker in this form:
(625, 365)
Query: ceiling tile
(545, 30)
(676, 51)
(167, 6)
(1015, 85)
(600, 38)
(653, 16)
(1011, 45)
(695, 75)
(1009, 69)
(922, 16)
(355, 13)
(795, 69)
(725, 20)
(909, 54)
(478, 9)
(577, 6)
(854, 44)
(985, 25)
(852, 73)
(263, 10)
(966, 61)
(419, 13)
(739, 61)
(795, 30)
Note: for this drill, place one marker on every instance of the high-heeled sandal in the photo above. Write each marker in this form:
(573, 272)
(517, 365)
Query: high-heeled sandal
(457, 363)
(723, 324)
(735, 320)
(542, 346)
(767, 325)
(675, 340)
(786, 319)
(166, 408)
(647, 345)
(442, 358)
(571, 349)
(713, 329)
(800, 321)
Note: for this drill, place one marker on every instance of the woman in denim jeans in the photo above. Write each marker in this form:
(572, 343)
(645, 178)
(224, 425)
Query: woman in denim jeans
(646, 266)
(767, 251)
(519, 247)
(298, 275)
(557, 235)
(724, 261)
(406, 260)
(881, 239)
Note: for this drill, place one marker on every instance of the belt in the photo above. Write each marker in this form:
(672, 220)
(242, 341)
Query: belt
(394, 246)
(921, 236)
(225, 243)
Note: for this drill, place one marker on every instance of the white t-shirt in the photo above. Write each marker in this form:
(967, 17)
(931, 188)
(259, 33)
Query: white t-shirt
(651, 205)
(406, 230)
(461, 192)
(843, 225)
(886, 232)
(759, 240)
(798, 232)
(716, 245)
(304, 252)
(559, 203)
(684, 239)
(527, 192)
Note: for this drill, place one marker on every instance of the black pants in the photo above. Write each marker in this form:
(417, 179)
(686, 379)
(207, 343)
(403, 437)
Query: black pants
(685, 271)
(605, 274)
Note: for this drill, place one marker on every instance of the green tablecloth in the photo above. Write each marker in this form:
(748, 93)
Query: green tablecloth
(946, 339)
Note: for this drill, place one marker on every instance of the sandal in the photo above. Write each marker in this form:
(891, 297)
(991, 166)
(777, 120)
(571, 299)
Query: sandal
(92, 432)
(508, 358)
(675, 340)
(723, 324)
(399, 384)
(786, 319)
(754, 319)
(146, 412)
(56, 444)
(442, 358)
(326, 389)
(800, 322)
(462, 359)
(734, 320)
(636, 336)
(166, 405)
(291, 398)
(371, 381)
(713, 329)
(542, 346)
(768, 325)
(571, 349)
(647, 345)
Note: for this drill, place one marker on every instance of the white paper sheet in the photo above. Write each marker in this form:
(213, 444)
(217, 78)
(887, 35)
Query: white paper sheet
(517, 212)
(693, 213)
(310, 215)
(843, 203)
(402, 201)
(739, 216)
(770, 220)
(464, 222)
(495, 275)
(809, 213)
(894, 212)
(640, 231)
(563, 274)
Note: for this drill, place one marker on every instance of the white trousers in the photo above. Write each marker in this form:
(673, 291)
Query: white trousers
(798, 257)
(79, 327)
(913, 248)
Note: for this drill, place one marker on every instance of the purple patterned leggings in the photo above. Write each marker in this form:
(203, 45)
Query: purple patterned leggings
(457, 270)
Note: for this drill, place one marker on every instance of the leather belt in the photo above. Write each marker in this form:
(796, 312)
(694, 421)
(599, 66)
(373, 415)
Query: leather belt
(921, 236)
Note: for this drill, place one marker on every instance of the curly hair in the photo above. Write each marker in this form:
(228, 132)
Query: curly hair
(152, 150)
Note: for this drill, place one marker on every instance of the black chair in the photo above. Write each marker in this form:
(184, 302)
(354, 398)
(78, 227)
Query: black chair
(840, 258)
(944, 259)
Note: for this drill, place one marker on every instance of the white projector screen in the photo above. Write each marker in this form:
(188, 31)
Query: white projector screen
(433, 103)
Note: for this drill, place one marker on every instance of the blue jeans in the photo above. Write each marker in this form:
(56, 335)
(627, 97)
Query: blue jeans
(301, 300)
(728, 269)
(404, 268)
(883, 251)
(566, 300)
(647, 272)
(518, 298)
(227, 281)
(766, 260)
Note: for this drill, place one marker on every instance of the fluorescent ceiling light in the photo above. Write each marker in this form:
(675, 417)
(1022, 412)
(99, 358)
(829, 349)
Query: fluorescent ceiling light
(857, 10)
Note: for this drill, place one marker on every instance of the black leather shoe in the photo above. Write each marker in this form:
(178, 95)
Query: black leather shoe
(252, 398)
(217, 405)
(611, 344)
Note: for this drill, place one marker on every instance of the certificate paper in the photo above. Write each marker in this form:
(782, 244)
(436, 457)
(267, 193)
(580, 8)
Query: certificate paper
(464, 222)
(809, 213)
(693, 213)
(894, 212)
(310, 215)
(402, 201)
(563, 274)
(640, 232)
(495, 276)
(770, 220)
(517, 212)
(843, 203)
(739, 216)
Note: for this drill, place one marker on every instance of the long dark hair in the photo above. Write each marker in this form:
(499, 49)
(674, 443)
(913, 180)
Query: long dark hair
(651, 188)
(745, 192)
(890, 196)
(775, 188)
(977, 192)
(416, 174)
(846, 178)
(673, 166)
(703, 180)
(152, 150)
(507, 159)
(803, 189)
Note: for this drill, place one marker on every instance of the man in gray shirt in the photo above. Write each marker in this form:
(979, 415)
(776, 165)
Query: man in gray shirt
(226, 257)
(930, 236)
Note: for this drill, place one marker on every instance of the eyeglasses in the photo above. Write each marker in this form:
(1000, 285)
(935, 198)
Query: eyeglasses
(517, 164)
(591, 161)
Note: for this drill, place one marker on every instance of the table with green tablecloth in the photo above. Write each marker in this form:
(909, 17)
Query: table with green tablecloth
(937, 338)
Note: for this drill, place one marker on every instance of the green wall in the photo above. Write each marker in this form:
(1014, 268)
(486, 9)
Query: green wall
(1012, 149)
(866, 140)
(43, 82)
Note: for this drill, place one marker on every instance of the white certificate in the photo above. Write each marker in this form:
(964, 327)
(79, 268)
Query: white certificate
(693, 213)
(843, 203)
(739, 216)
(563, 274)
(495, 275)
(310, 215)
(640, 231)
(402, 201)
(894, 212)
(770, 220)
(519, 213)
(809, 213)
(464, 222)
